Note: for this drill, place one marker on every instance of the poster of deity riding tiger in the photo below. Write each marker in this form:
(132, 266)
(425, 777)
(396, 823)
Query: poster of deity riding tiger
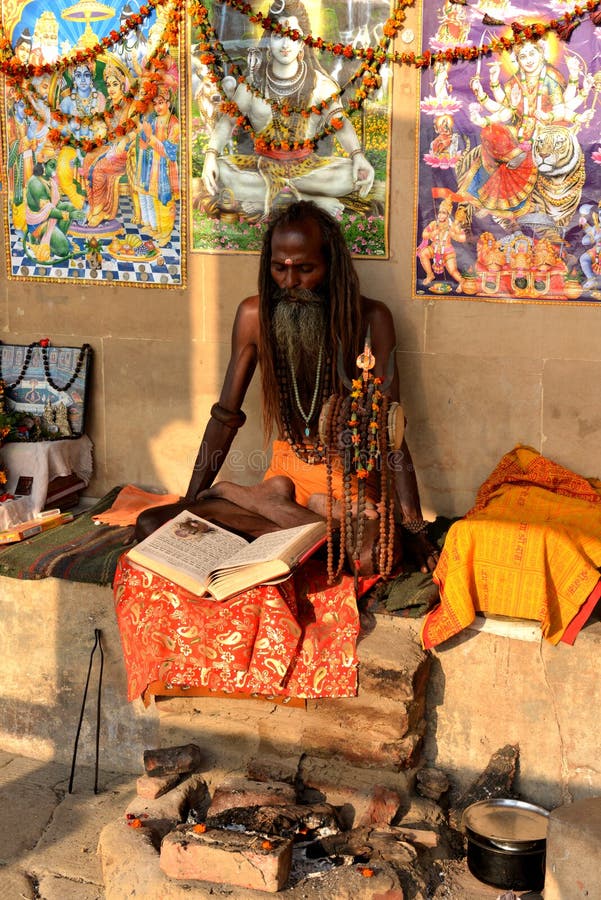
(508, 197)
(92, 118)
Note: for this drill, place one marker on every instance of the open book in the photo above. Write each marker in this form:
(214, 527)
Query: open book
(207, 559)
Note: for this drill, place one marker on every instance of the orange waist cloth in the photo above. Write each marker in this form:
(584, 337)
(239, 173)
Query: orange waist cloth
(530, 548)
(308, 479)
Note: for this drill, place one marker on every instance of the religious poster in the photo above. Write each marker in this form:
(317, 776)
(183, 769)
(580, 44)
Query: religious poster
(299, 109)
(93, 133)
(508, 171)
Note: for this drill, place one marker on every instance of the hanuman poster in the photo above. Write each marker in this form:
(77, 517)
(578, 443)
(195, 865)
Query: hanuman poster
(296, 110)
(92, 151)
(509, 184)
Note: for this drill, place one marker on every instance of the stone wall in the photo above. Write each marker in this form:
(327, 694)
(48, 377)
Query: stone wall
(506, 685)
(476, 377)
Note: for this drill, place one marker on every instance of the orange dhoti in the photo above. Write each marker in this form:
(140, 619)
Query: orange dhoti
(308, 478)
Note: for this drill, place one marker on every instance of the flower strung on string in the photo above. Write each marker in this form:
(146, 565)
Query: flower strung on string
(13, 66)
(355, 428)
(65, 132)
(564, 30)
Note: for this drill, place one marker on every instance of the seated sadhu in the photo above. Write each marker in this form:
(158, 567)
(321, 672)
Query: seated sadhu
(315, 337)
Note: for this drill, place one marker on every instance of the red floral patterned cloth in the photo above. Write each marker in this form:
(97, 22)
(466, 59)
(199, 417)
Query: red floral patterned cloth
(294, 639)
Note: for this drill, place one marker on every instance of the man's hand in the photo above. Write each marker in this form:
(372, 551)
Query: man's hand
(423, 551)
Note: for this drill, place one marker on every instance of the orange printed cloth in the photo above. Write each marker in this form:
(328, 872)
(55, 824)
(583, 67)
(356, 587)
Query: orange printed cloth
(294, 639)
(530, 548)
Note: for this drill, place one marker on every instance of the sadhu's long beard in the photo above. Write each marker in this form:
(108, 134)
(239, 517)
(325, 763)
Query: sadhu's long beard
(299, 328)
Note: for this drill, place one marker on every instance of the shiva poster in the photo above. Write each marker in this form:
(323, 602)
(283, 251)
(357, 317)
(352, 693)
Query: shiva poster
(509, 178)
(289, 100)
(92, 125)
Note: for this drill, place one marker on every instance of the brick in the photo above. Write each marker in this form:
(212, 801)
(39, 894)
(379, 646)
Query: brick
(239, 791)
(163, 812)
(151, 788)
(361, 805)
(227, 857)
(391, 661)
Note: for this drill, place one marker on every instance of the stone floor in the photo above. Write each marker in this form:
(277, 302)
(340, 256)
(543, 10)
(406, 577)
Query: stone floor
(48, 837)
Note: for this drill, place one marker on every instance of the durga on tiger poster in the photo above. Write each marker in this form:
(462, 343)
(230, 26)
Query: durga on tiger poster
(508, 171)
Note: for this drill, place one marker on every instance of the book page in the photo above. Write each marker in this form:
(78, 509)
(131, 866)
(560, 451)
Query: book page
(189, 544)
(274, 545)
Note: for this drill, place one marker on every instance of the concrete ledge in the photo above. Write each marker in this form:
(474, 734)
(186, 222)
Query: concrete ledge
(489, 689)
(484, 690)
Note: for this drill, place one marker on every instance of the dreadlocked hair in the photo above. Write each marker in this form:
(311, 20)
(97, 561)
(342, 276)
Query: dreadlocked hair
(343, 298)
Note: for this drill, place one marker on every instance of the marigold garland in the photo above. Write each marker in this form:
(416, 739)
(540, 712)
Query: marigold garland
(562, 26)
(366, 78)
(159, 60)
(10, 64)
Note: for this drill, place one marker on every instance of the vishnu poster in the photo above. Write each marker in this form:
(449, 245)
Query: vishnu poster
(93, 137)
(298, 110)
(509, 155)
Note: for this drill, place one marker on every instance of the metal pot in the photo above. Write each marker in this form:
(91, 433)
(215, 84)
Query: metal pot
(506, 843)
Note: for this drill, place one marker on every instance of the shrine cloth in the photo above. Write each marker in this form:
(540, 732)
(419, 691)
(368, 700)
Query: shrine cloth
(295, 639)
(44, 460)
(529, 548)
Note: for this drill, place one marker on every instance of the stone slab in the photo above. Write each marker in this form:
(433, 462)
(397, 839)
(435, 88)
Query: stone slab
(67, 847)
(53, 887)
(26, 811)
(14, 883)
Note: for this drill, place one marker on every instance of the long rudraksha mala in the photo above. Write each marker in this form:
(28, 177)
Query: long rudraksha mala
(358, 429)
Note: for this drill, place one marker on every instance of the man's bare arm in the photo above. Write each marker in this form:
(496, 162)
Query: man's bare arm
(383, 339)
(226, 414)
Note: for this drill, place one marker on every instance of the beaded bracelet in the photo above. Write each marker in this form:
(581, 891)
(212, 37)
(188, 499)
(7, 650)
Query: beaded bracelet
(414, 526)
(357, 152)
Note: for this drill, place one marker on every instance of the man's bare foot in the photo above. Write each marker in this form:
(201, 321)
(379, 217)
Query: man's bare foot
(272, 498)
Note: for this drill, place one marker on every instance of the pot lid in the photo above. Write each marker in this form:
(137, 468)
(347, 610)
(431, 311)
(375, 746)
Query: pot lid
(507, 820)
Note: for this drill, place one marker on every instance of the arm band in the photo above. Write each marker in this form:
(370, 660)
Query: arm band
(226, 417)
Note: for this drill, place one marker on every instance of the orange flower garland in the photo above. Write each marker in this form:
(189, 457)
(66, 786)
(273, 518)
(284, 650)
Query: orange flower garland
(18, 78)
(366, 78)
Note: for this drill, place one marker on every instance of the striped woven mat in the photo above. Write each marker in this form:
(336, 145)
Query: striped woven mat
(77, 551)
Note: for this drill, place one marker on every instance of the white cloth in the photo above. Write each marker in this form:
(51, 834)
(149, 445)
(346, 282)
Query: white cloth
(43, 461)
(13, 512)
